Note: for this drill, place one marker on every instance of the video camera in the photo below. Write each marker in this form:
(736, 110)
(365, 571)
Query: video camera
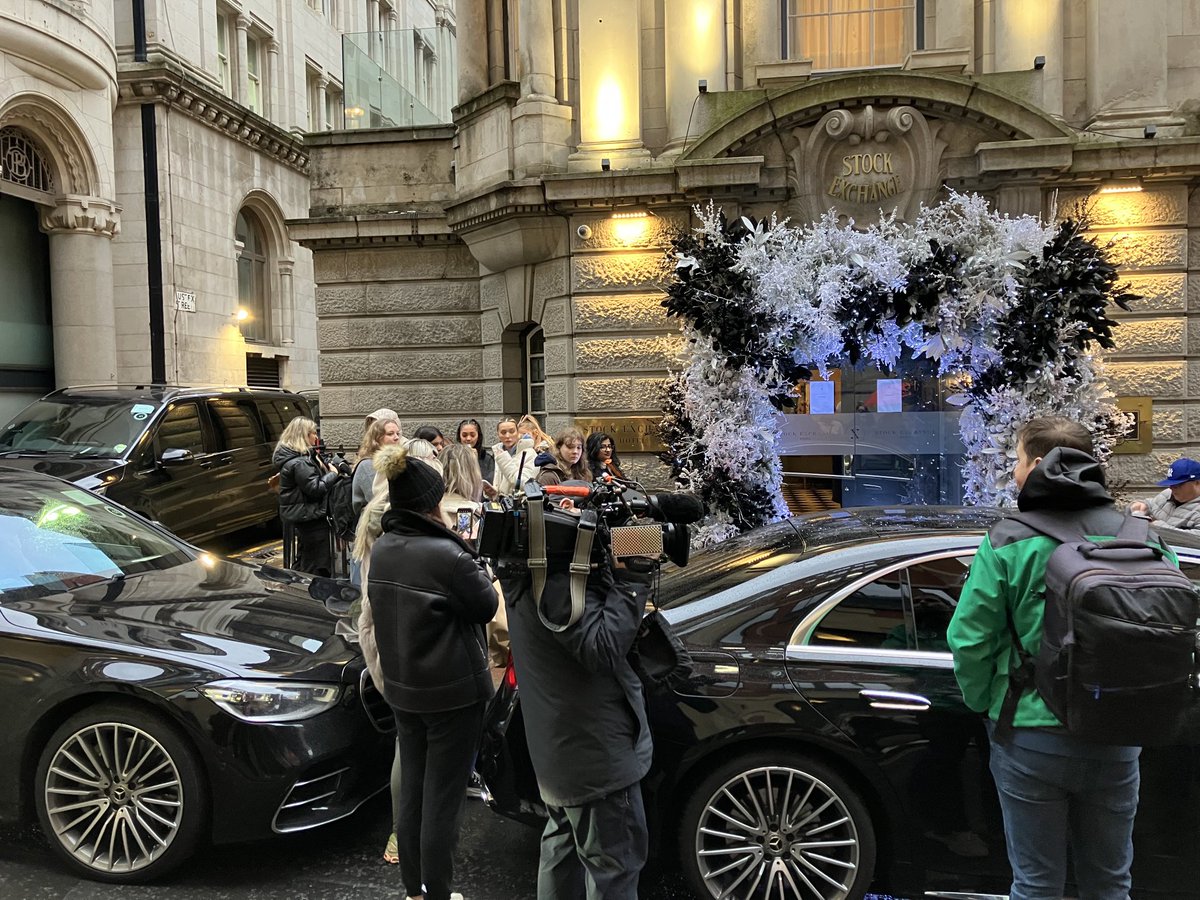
(607, 508)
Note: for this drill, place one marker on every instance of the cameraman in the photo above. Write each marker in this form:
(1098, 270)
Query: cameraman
(585, 723)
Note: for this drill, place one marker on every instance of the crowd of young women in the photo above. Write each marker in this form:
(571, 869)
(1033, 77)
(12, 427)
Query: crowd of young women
(431, 624)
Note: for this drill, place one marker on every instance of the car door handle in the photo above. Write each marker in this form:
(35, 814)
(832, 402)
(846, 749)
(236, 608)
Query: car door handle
(895, 700)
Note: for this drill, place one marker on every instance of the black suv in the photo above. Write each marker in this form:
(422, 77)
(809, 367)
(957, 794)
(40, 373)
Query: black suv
(195, 459)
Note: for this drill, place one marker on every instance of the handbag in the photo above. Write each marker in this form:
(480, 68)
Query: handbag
(658, 656)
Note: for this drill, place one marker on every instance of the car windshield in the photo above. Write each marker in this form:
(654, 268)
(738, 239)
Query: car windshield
(78, 426)
(58, 537)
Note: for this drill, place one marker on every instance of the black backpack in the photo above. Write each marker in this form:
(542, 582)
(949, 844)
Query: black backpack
(1116, 662)
(340, 506)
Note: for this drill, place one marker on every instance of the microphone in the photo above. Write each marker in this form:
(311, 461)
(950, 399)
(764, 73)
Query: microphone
(681, 508)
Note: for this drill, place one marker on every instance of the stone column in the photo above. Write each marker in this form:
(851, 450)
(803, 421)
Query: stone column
(472, 49)
(1127, 64)
(322, 88)
(81, 230)
(274, 91)
(239, 65)
(287, 302)
(390, 37)
(610, 70)
(1025, 30)
(373, 29)
(536, 50)
(695, 39)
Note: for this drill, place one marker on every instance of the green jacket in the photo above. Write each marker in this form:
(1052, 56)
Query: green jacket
(1008, 578)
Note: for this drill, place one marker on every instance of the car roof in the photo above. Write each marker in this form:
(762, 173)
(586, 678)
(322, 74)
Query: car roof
(815, 533)
(156, 392)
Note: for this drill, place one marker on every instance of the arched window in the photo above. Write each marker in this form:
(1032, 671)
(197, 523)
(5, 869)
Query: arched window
(253, 285)
(23, 167)
(533, 357)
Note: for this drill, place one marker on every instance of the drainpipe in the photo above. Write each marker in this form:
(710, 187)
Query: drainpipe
(158, 332)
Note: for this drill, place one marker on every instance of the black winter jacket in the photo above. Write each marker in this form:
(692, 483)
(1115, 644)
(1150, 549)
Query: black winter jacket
(303, 486)
(431, 599)
(585, 715)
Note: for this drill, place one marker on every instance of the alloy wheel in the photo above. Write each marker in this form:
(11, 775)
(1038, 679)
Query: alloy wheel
(113, 797)
(777, 832)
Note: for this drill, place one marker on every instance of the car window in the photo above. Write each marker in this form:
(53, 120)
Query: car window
(236, 423)
(872, 616)
(81, 426)
(935, 585)
(59, 538)
(288, 409)
(180, 429)
(272, 417)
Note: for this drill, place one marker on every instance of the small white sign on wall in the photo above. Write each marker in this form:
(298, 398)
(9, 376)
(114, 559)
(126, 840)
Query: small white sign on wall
(185, 300)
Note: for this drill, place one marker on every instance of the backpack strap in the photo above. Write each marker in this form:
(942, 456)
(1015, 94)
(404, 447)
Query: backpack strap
(1020, 680)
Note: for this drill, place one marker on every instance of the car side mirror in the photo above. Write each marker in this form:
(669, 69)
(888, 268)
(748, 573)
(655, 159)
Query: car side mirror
(176, 456)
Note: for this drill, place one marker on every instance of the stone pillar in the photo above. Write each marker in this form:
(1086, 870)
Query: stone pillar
(695, 41)
(287, 302)
(472, 43)
(238, 75)
(1127, 64)
(1025, 30)
(81, 230)
(322, 88)
(373, 30)
(275, 110)
(390, 36)
(536, 51)
(610, 93)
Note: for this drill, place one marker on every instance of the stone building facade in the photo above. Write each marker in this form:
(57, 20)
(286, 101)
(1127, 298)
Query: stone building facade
(150, 154)
(517, 258)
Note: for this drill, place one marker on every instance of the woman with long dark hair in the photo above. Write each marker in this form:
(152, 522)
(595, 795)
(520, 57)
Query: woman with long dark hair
(431, 597)
(470, 434)
(602, 455)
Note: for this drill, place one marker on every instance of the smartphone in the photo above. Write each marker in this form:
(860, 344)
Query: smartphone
(463, 523)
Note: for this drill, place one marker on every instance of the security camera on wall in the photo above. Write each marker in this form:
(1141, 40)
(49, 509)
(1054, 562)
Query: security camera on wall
(584, 232)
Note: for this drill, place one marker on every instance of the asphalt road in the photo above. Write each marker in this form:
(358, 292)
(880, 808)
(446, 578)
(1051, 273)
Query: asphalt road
(496, 860)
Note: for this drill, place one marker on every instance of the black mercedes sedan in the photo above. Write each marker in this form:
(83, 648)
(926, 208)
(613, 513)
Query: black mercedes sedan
(821, 747)
(156, 695)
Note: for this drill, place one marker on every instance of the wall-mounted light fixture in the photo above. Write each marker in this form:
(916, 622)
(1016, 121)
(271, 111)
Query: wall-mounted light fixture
(240, 315)
(1129, 186)
(605, 164)
(1150, 132)
(355, 112)
(1039, 62)
(702, 87)
(630, 226)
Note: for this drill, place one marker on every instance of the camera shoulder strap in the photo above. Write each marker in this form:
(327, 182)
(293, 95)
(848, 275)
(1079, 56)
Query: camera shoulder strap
(537, 540)
(580, 568)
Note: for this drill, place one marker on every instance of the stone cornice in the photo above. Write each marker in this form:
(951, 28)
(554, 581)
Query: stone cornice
(503, 92)
(371, 231)
(162, 81)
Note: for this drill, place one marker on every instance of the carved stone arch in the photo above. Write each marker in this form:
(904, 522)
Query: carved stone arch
(937, 96)
(55, 133)
(269, 214)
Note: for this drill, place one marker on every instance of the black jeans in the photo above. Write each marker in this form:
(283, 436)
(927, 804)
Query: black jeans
(596, 850)
(436, 752)
(316, 555)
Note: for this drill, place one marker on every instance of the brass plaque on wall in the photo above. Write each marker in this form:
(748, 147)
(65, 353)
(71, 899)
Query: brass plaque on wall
(1140, 437)
(631, 434)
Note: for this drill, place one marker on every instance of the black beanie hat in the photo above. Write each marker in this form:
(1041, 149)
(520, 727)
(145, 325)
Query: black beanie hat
(412, 483)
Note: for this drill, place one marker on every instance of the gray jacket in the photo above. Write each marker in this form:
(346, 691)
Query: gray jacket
(1165, 510)
(364, 475)
(585, 716)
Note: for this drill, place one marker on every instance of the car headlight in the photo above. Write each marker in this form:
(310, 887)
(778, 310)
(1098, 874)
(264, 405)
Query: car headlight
(272, 701)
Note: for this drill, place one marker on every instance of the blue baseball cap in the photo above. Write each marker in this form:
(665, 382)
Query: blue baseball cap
(1180, 472)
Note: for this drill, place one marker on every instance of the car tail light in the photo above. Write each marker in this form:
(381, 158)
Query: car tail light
(510, 677)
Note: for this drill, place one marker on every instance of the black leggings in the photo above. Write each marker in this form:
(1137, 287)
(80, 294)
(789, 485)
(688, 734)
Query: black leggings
(436, 752)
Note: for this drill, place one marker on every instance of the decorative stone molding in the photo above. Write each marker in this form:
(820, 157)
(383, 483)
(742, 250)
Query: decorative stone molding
(83, 214)
(864, 161)
(639, 271)
(1157, 379)
(1166, 249)
(163, 82)
(1164, 292)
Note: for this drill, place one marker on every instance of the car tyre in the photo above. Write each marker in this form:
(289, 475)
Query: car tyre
(776, 824)
(119, 794)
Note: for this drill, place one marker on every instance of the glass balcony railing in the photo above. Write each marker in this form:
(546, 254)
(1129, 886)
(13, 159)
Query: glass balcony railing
(398, 78)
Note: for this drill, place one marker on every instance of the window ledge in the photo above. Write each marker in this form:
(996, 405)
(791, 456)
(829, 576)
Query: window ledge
(955, 61)
(791, 71)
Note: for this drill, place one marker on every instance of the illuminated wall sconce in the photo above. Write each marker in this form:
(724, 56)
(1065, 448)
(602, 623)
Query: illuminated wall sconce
(355, 112)
(240, 315)
(630, 227)
(1131, 186)
(605, 164)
